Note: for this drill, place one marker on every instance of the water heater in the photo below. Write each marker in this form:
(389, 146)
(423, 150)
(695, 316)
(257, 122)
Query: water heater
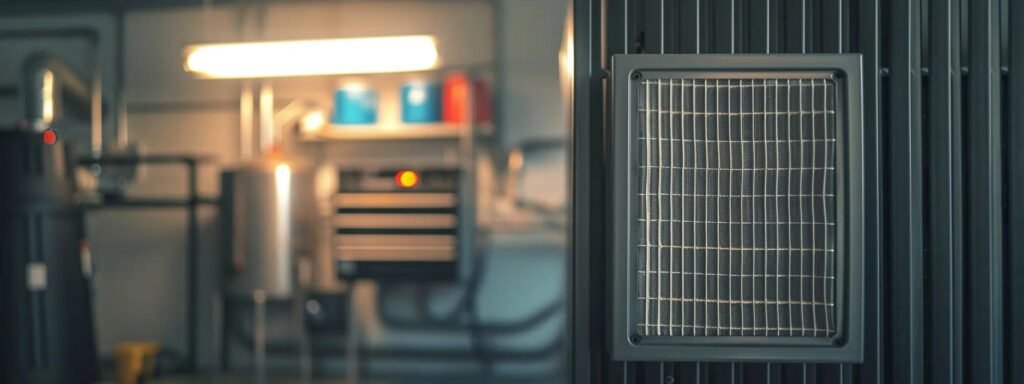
(268, 209)
(46, 328)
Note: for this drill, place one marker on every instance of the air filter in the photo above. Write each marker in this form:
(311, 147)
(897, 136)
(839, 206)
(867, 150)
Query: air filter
(736, 208)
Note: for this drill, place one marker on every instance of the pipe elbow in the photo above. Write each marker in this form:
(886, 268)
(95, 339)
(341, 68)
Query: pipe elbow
(43, 76)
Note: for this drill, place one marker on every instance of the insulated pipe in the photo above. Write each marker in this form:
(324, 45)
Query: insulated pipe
(246, 122)
(44, 77)
(268, 136)
(93, 37)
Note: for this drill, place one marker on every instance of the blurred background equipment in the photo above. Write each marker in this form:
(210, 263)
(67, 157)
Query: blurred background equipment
(323, 193)
(47, 322)
(398, 223)
(268, 210)
(355, 104)
(136, 361)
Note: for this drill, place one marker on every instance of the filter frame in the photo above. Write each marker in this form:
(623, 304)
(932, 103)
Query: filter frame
(847, 343)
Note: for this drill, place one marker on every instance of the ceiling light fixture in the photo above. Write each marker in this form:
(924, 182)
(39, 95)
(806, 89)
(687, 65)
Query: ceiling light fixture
(312, 57)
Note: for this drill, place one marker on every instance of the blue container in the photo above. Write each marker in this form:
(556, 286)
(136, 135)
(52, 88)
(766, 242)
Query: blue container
(355, 106)
(421, 102)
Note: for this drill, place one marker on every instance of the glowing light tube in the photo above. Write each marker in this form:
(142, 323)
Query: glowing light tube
(312, 57)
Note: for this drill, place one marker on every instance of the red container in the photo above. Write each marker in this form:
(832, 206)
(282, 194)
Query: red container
(482, 101)
(455, 93)
(455, 98)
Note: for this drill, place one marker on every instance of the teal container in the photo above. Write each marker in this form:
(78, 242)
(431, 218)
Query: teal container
(355, 106)
(421, 102)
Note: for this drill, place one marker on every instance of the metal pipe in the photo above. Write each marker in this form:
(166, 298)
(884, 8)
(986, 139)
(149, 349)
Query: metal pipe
(121, 128)
(245, 135)
(44, 79)
(526, 323)
(96, 114)
(43, 76)
(267, 130)
(192, 266)
(259, 343)
(33, 80)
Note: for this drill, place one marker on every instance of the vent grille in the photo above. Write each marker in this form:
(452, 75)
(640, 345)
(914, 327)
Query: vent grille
(387, 231)
(736, 190)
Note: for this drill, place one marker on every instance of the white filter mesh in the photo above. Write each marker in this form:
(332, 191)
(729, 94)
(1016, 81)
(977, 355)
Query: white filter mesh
(737, 220)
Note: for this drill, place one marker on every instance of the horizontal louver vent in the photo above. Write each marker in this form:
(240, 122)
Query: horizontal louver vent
(389, 226)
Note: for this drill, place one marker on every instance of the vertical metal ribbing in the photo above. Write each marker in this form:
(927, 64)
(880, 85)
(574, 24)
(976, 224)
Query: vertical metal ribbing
(653, 25)
(833, 33)
(686, 25)
(984, 209)
(661, 26)
(803, 26)
(813, 22)
(1015, 196)
(946, 194)
(868, 39)
(612, 19)
(700, 23)
(721, 28)
(757, 32)
(794, 25)
(905, 209)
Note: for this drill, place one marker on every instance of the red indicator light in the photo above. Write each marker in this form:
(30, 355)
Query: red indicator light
(407, 179)
(49, 137)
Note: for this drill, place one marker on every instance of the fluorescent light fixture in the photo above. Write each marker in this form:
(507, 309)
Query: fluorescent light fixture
(312, 57)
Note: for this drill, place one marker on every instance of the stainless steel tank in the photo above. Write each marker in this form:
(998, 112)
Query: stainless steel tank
(269, 211)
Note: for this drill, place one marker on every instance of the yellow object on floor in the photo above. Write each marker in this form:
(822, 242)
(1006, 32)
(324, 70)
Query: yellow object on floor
(135, 361)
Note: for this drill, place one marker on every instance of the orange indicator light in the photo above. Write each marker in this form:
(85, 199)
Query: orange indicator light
(407, 179)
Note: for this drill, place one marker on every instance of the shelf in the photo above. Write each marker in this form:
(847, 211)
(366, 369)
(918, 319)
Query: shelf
(399, 133)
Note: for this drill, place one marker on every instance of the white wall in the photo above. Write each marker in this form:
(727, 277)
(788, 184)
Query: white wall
(531, 34)
(531, 103)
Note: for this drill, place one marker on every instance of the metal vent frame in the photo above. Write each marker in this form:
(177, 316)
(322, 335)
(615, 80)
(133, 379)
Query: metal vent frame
(847, 344)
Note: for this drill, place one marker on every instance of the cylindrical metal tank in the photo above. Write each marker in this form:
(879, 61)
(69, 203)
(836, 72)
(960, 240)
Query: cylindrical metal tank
(46, 326)
(269, 214)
